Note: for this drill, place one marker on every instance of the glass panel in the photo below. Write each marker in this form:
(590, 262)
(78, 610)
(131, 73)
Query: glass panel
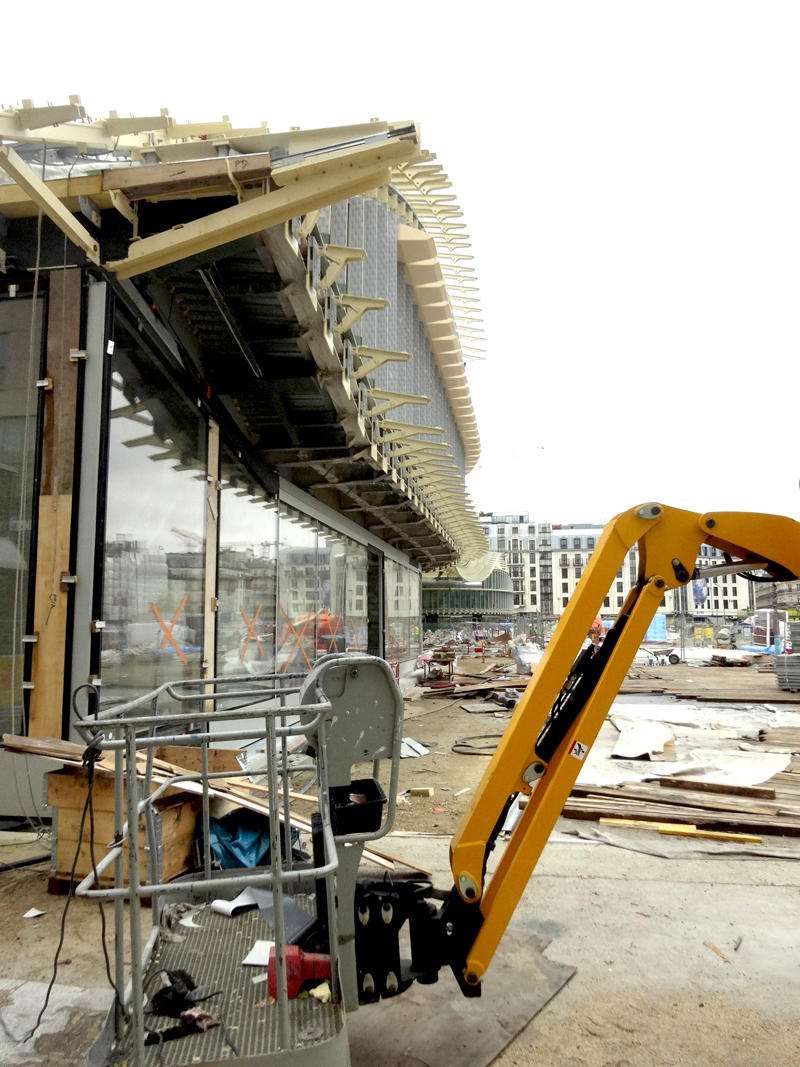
(155, 528)
(300, 597)
(402, 608)
(247, 575)
(20, 358)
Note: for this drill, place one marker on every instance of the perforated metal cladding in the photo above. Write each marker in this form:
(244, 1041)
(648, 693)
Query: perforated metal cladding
(355, 239)
(372, 226)
(324, 221)
(339, 235)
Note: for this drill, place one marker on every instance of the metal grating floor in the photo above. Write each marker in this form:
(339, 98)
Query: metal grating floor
(213, 957)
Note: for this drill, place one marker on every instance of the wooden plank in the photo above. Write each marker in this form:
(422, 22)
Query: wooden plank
(190, 758)
(580, 808)
(766, 792)
(715, 835)
(48, 660)
(694, 800)
(48, 665)
(643, 825)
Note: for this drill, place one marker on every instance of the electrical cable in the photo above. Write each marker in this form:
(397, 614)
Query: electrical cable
(93, 754)
(464, 747)
(29, 862)
(70, 895)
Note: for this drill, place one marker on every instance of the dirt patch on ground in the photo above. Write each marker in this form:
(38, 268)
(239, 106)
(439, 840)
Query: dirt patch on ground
(673, 1030)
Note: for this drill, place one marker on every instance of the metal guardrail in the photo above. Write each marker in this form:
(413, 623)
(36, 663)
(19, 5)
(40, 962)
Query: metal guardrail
(129, 735)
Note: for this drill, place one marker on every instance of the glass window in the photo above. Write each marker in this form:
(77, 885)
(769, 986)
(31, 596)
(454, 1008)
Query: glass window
(402, 609)
(564, 601)
(724, 603)
(533, 600)
(735, 605)
(562, 542)
(299, 595)
(154, 576)
(590, 542)
(578, 572)
(19, 369)
(619, 587)
(607, 602)
(576, 542)
(565, 587)
(564, 572)
(247, 575)
(619, 601)
(533, 572)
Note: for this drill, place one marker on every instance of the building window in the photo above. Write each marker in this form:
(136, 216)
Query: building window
(565, 587)
(564, 572)
(562, 542)
(607, 602)
(725, 604)
(533, 572)
(154, 580)
(590, 542)
(516, 600)
(533, 587)
(578, 572)
(716, 603)
(577, 559)
(619, 601)
(619, 573)
(619, 587)
(533, 600)
(564, 601)
(576, 542)
(736, 605)
(515, 530)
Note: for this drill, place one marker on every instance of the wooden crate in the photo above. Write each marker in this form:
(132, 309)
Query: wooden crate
(66, 792)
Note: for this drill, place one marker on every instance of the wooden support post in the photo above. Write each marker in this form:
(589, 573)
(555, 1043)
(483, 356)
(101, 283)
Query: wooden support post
(48, 668)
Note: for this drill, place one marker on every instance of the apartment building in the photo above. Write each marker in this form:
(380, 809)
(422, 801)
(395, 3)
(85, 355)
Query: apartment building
(546, 560)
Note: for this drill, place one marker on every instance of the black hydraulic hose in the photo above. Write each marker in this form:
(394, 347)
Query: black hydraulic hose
(24, 863)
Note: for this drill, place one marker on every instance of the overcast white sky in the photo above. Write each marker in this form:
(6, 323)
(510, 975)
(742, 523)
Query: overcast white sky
(629, 175)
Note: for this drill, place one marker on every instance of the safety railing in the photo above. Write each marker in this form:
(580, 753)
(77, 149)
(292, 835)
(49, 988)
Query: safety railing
(132, 731)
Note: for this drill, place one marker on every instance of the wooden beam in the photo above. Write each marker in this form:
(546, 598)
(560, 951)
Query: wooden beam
(38, 191)
(246, 219)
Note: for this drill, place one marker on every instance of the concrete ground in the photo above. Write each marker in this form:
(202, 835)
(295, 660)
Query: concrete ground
(647, 993)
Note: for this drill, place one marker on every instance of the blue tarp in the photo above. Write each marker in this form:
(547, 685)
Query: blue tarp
(657, 630)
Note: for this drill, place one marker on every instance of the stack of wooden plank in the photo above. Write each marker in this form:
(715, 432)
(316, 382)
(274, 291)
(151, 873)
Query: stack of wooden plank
(782, 738)
(236, 790)
(479, 687)
(771, 808)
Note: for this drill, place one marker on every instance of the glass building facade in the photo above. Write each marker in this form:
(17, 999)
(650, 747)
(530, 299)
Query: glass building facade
(20, 362)
(286, 587)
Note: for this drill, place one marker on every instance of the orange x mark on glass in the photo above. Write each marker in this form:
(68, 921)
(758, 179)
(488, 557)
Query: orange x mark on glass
(251, 627)
(168, 629)
(298, 637)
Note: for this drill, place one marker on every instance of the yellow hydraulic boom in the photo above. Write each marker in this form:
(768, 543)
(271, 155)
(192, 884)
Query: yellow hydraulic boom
(560, 713)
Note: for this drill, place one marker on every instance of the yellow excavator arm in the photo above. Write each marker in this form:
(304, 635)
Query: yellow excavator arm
(560, 713)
